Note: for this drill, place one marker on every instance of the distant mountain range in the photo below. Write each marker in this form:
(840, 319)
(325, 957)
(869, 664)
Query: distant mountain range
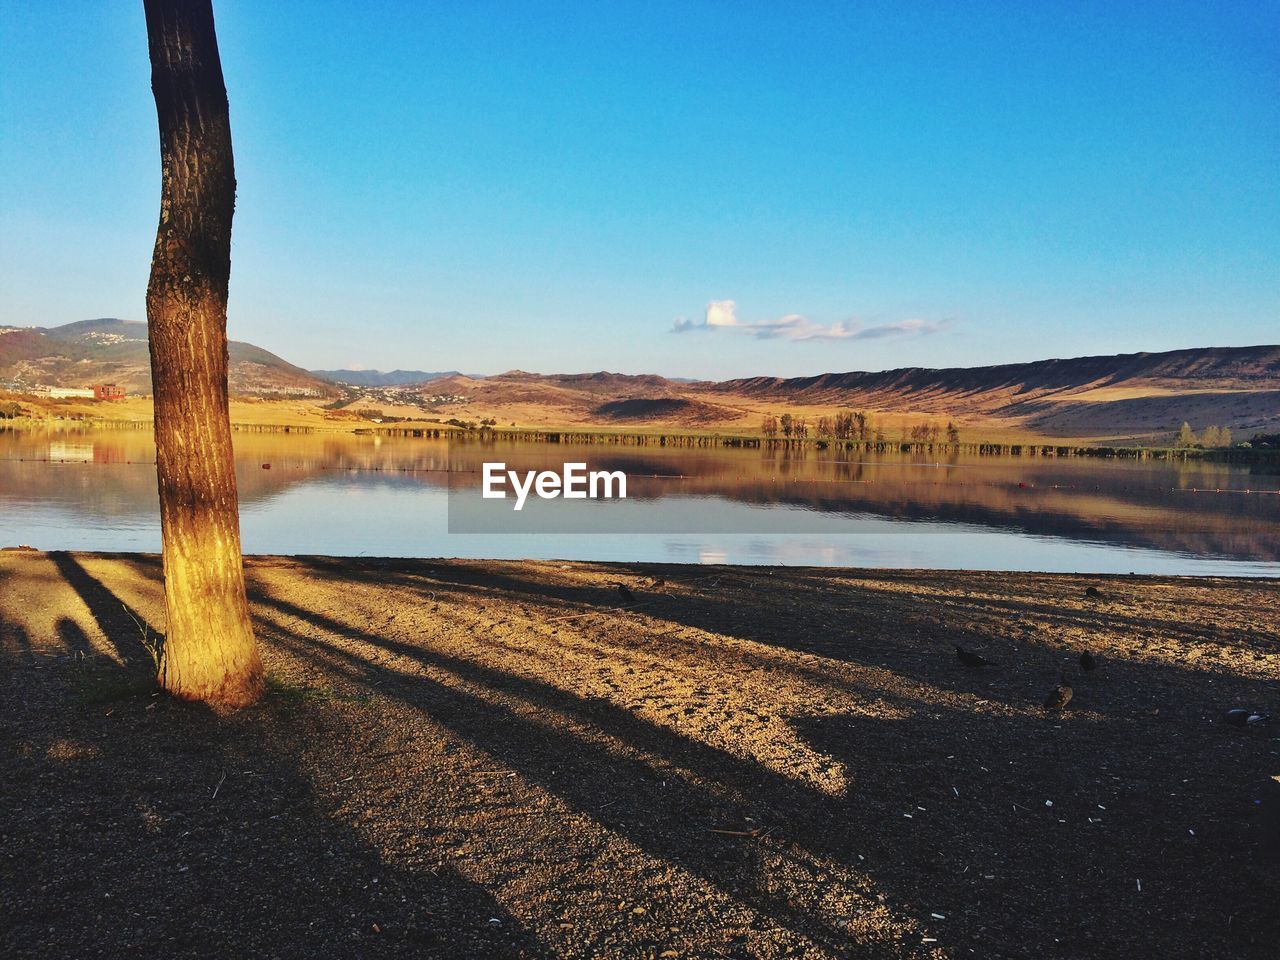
(376, 378)
(1128, 398)
(115, 351)
(1125, 397)
(1138, 395)
(1230, 367)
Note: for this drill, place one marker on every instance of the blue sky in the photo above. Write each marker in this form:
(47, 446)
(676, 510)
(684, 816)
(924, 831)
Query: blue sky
(795, 188)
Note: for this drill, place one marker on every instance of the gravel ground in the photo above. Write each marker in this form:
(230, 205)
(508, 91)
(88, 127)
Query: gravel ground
(485, 759)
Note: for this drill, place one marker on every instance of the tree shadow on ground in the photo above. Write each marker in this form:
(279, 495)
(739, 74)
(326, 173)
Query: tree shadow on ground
(140, 824)
(125, 628)
(677, 789)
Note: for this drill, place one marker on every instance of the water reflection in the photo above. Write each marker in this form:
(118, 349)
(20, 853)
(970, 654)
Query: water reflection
(364, 495)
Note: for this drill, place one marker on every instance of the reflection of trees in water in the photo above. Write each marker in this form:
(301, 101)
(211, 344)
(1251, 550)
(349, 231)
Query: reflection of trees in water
(1129, 503)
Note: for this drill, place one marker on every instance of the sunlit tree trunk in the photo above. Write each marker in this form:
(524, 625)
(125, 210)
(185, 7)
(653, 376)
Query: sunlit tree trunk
(209, 651)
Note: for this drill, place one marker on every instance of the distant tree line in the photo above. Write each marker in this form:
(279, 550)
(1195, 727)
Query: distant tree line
(930, 432)
(792, 427)
(1210, 438)
(851, 425)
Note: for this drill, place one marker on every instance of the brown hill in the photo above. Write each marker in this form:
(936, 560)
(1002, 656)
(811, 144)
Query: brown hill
(1231, 368)
(1126, 397)
(115, 351)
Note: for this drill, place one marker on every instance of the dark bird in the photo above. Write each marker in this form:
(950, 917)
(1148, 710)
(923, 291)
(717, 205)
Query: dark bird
(1059, 696)
(1240, 717)
(1092, 593)
(625, 593)
(1088, 662)
(971, 659)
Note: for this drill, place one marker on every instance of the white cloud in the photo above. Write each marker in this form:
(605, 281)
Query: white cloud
(722, 315)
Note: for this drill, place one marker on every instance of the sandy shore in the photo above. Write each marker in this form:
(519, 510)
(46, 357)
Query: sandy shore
(470, 759)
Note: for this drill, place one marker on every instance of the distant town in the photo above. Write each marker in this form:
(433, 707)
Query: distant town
(98, 391)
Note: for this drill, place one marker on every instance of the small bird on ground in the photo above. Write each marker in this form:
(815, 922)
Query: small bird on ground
(625, 593)
(1241, 717)
(1092, 593)
(1088, 662)
(1059, 696)
(970, 659)
(658, 582)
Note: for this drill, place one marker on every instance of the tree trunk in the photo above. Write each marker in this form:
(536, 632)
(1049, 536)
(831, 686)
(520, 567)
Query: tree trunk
(209, 651)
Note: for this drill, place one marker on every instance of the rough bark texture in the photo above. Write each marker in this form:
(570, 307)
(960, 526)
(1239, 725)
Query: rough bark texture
(209, 652)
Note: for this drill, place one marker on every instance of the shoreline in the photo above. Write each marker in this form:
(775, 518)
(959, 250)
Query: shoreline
(667, 437)
(689, 572)
(505, 759)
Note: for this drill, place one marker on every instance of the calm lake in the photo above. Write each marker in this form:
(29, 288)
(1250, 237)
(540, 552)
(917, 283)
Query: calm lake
(348, 495)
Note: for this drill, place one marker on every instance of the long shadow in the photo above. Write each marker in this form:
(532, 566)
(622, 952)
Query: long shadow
(74, 638)
(1177, 789)
(124, 627)
(655, 768)
(14, 640)
(148, 826)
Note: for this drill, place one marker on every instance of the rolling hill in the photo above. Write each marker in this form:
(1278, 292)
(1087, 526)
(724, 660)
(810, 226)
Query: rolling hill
(115, 351)
(1125, 397)
(1229, 368)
